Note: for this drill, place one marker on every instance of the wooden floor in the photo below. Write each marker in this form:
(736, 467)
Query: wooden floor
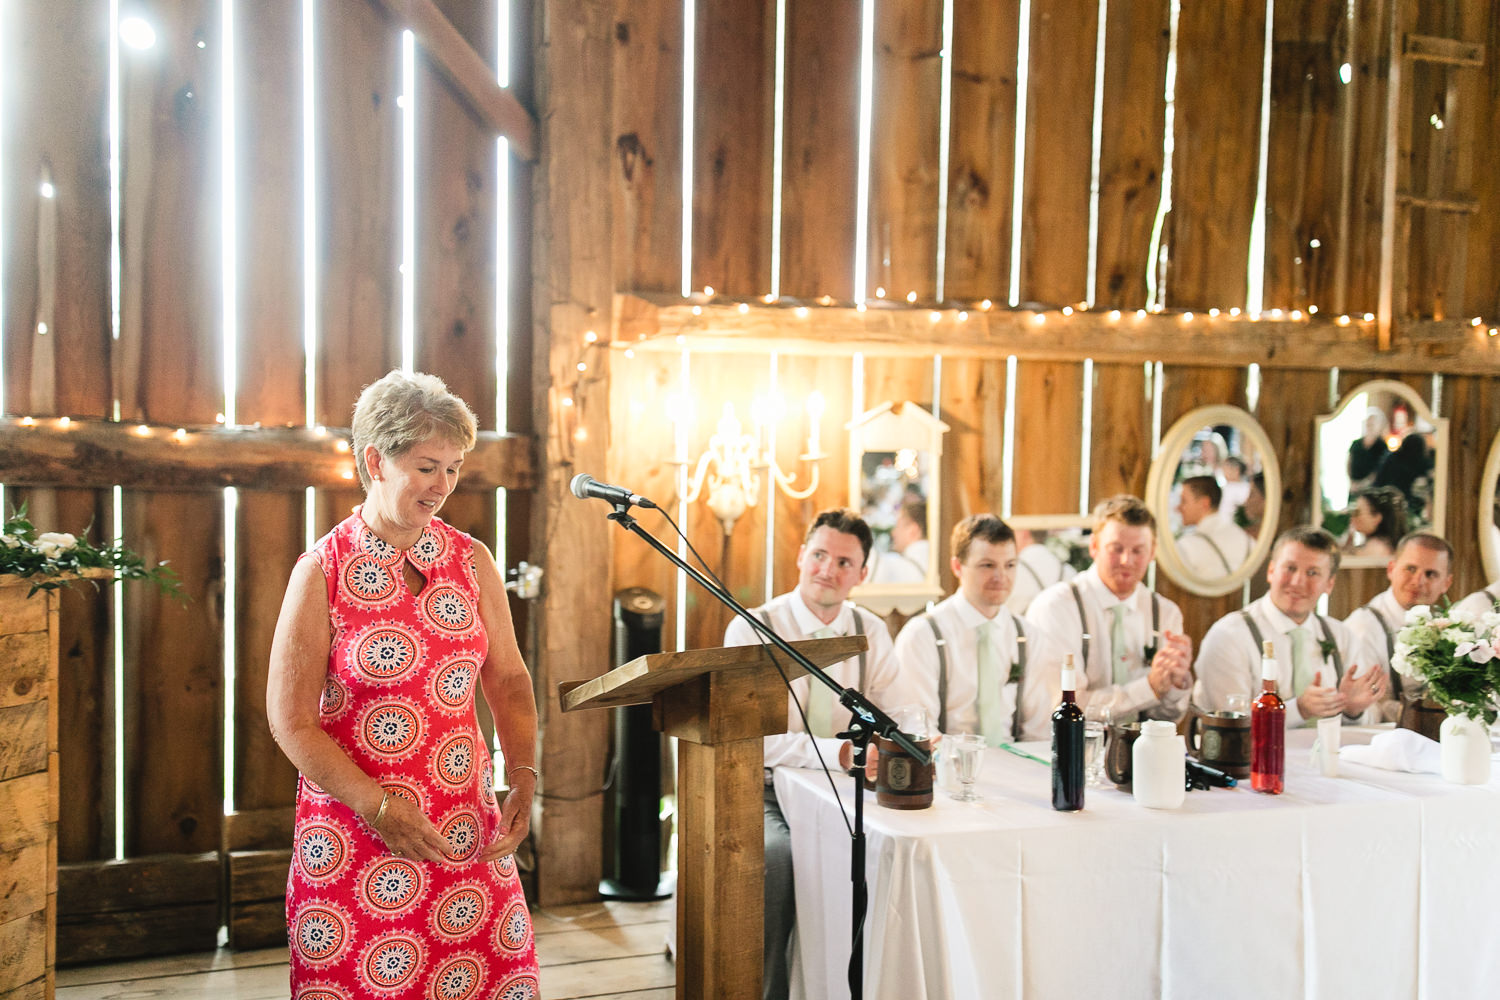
(598, 950)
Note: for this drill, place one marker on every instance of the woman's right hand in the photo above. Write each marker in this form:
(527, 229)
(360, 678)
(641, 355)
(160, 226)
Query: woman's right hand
(408, 833)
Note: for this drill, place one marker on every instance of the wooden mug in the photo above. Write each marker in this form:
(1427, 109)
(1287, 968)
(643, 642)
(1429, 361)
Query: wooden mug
(1119, 753)
(902, 782)
(1221, 740)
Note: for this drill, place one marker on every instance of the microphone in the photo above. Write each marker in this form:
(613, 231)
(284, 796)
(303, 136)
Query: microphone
(1204, 776)
(585, 486)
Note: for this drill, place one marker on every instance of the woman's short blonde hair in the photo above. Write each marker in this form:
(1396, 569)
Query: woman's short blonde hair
(404, 409)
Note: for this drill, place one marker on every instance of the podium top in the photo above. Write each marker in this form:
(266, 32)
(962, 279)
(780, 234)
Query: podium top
(640, 680)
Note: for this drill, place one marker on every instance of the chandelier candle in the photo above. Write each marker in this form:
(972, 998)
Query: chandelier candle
(1267, 730)
(1067, 744)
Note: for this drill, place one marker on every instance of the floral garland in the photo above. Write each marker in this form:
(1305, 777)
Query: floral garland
(52, 559)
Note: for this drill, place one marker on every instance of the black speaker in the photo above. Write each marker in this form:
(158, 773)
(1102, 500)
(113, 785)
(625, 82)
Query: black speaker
(633, 869)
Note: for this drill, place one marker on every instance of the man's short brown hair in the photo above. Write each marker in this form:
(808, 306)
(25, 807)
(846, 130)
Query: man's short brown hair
(1426, 540)
(1206, 488)
(985, 527)
(1309, 537)
(844, 520)
(1128, 510)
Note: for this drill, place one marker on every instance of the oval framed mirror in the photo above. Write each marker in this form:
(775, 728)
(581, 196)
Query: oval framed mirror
(1489, 517)
(1208, 487)
(895, 465)
(1381, 467)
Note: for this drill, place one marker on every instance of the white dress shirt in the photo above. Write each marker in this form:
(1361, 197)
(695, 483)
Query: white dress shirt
(1037, 568)
(1369, 624)
(1229, 659)
(1056, 612)
(907, 566)
(959, 621)
(1214, 547)
(1478, 602)
(792, 620)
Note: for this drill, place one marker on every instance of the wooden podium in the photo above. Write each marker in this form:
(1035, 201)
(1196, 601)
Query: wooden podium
(719, 703)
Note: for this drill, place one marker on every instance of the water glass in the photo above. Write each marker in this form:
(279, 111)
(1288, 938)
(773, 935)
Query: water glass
(968, 759)
(1096, 720)
(1238, 703)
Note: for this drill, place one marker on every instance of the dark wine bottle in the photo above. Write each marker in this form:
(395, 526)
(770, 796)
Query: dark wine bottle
(1067, 745)
(1268, 730)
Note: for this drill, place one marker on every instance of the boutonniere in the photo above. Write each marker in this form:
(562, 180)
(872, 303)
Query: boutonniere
(1015, 673)
(1327, 647)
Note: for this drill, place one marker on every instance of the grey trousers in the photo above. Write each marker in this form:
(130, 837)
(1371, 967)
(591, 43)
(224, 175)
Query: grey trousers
(781, 903)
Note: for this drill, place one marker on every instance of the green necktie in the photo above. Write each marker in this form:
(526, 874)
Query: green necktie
(991, 682)
(821, 702)
(1120, 668)
(1302, 673)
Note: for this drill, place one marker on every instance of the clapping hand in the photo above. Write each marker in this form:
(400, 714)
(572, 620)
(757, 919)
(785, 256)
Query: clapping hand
(1362, 691)
(1318, 702)
(1172, 666)
(872, 760)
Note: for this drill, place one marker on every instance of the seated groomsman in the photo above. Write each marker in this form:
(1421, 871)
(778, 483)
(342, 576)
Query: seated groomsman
(973, 665)
(1420, 573)
(1127, 641)
(1319, 657)
(1479, 602)
(1213, 546)
(831, 561)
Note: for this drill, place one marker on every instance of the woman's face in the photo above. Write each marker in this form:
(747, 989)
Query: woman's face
(1364, 519)
(409, 489)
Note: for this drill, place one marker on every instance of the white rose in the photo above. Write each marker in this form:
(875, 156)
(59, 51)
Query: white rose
(9, 541)
(54, 543)
(1418, 613)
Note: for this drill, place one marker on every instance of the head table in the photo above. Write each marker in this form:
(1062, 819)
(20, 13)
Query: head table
(1370, 884)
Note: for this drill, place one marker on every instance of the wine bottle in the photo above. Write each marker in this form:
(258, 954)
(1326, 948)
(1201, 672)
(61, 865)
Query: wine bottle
(1067, 744)
(1268, 729)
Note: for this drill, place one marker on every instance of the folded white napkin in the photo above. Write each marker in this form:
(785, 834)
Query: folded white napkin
(1397, 750)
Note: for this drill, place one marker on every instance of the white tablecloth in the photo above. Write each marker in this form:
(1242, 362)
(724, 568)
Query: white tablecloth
(1372, 884)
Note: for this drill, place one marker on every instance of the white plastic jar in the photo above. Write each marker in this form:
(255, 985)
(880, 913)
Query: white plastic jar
(1159, 766)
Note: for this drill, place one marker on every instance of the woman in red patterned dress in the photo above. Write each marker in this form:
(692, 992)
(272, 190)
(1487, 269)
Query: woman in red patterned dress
(402, 881)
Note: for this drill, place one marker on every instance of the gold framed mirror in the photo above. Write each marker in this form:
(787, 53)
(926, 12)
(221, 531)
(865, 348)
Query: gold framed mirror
(1208, 488)
(1381, 470)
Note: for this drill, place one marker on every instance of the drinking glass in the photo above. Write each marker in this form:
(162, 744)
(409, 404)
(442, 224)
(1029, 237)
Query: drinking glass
(1237, 703)
(1096, 719)
(968, 758)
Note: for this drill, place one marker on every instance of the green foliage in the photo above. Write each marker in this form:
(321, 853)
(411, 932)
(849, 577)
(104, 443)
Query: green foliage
(54, 559)
(1456, 657)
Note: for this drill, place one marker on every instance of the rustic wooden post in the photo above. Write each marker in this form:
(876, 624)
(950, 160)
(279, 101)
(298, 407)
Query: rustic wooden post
(573, 262)
(28, 790)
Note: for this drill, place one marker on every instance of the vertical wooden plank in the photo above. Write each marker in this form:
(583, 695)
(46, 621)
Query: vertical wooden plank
(572, 247)
(1290, 401)
(1479, 116)
(1474, 411)
(821, 142)
(1215, 161)
(358, 64)
(981, 150)
(1365, 111)
(974, 452)
(169, 372)
(904, 149)
(1302, 201)
(648, 146)
(1120, 450)
(1049, 437)
(1182, 390)
(1059, 152)
(271, 368)
(1130, 152)
(56, 132)
(732, 147)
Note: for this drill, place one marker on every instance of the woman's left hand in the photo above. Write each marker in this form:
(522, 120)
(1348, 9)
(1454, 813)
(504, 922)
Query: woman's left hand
(515, 816)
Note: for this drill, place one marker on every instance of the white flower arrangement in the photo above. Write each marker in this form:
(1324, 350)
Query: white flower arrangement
(1458, 657)
(53, 559)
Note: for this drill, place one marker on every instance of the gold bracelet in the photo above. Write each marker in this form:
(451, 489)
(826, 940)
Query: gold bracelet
(523, 767)
(385, 798)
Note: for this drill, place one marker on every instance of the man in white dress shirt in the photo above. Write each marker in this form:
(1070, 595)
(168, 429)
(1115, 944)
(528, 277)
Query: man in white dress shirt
(974, 666)
(832, 560)
(1320, 658)
(1420, 573)
(1128, 642)
(1037, 568)
(906, 562)
(1213, 546)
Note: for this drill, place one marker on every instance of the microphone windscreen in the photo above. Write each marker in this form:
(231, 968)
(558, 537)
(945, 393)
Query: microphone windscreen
(580, 485)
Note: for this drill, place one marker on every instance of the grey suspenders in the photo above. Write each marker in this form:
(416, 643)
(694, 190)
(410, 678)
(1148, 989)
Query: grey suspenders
(1494, 597)
(1017, 674)
(1390, 648)
(1084, 618)
(1338, 659)
(859, 629)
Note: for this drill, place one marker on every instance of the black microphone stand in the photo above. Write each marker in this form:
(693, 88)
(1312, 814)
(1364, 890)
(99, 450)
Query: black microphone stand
(867, 721)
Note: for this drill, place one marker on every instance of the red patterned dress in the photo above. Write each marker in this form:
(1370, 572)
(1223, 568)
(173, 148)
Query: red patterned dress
(399, 700)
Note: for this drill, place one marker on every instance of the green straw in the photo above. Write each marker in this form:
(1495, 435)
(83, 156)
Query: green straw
(1012, 748)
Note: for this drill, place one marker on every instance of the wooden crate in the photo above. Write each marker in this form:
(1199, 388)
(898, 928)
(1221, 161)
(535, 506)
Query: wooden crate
(28, 790)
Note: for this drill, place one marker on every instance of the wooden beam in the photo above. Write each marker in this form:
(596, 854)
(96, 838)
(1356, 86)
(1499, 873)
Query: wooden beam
(1461, 206)
(670, 323)
(467, 71)
(95, 454)
(1449, 51)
